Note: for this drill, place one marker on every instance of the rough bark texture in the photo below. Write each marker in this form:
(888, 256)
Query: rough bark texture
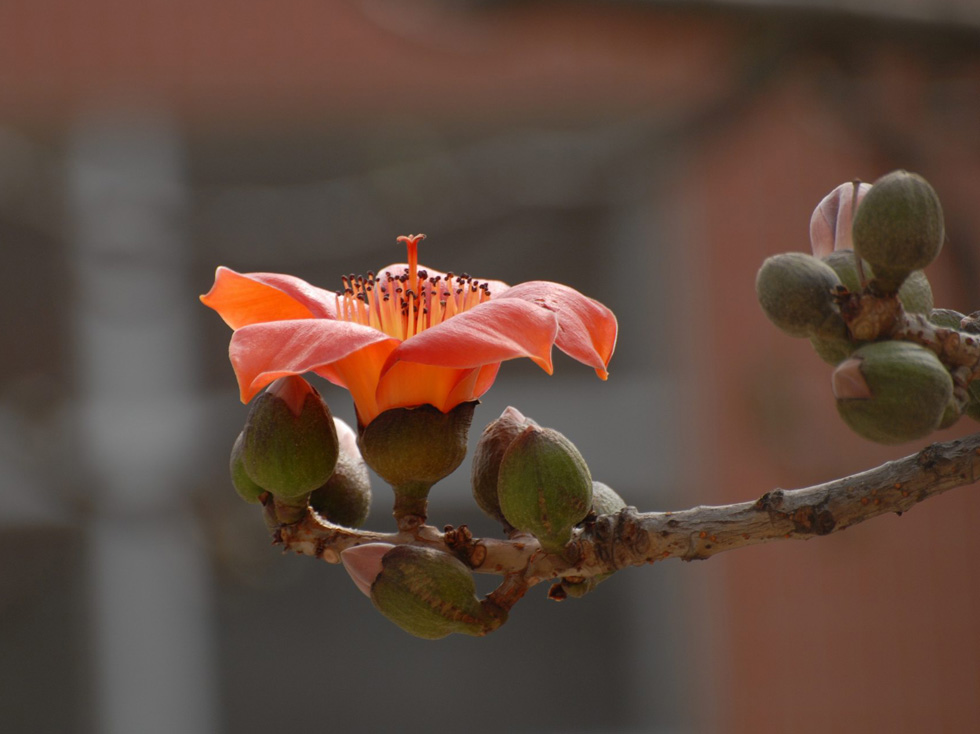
(608, 543)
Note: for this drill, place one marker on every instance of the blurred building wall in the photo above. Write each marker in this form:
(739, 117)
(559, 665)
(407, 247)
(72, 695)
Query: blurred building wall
(647, 156)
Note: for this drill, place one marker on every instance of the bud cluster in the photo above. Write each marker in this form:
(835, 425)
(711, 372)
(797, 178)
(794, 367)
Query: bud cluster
(295, 452)
(854, 306)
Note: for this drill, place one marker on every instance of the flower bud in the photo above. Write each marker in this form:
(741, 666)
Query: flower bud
(605, 500)
(345, 499)
(430, 594)
(544, 486)
(363, 563)
(494, 441)
(898, 227)
(830, 224)
(246, 488)
(972, 407)
(892, 391)
(289, 444)
(796, 293)
(413, 448)
(945, 318)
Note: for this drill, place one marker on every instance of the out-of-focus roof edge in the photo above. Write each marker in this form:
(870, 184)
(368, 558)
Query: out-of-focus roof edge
(950, 15)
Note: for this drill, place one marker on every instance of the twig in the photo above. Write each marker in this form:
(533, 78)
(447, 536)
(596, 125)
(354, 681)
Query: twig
(608, 543)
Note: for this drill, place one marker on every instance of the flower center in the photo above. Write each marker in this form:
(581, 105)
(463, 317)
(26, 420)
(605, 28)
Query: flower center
(403, 304)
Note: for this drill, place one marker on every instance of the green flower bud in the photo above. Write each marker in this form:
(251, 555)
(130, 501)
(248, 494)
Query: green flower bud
(346, 497)
(430, 594)
(892, 391)
(289, 444)
(605, 500)
(496, 438)
(246, 488)
(795, 291)
(898, 227)
(544, 486)
(413, 448)
(915, 293)
(972, 407)
(946, 318)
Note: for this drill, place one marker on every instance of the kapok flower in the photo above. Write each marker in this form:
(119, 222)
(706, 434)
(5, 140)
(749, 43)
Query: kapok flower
(406, 336)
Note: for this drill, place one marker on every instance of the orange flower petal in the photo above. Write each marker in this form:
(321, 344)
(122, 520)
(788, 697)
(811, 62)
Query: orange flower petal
(586, 329)
(409, 384)
(359, 373)
(251, 298)
(261, 353)
(486, 334)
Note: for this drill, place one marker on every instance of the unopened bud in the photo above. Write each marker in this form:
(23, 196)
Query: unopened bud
(830, 224)
(605, 500)
(431, 594)
(898, 227)
(289, 444)
(496, 438)
(363, 563)
(795, 291)
(892, 391)
(544, 486)
(345, 499)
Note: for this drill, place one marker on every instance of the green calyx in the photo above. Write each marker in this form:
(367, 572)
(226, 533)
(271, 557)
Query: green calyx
(413, 448)
(892, 391)
(431, 594)
(289, 443)
(898, 227)
(795, 291)
(544, 486)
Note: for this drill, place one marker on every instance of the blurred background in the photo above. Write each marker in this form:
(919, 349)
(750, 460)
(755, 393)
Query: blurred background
(650, 154)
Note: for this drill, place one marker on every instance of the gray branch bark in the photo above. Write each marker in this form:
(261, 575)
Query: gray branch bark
(607, 543)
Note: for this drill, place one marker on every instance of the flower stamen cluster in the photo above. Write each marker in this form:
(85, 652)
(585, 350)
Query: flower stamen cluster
(405, 304)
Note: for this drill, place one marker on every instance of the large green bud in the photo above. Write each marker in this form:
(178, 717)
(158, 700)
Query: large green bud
(345, 499)
(494, 442)
(898, 227)
(795, 291)
(892, 391)
(544, 486)
(426, 592)
(413, 448)
(289, 443)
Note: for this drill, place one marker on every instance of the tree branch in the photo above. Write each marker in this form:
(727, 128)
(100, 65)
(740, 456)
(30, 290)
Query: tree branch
(608, 543)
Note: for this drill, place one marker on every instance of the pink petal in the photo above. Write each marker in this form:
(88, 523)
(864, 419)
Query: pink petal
(486, 334)
(261, 353)
(363, 563)
(586, 328)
